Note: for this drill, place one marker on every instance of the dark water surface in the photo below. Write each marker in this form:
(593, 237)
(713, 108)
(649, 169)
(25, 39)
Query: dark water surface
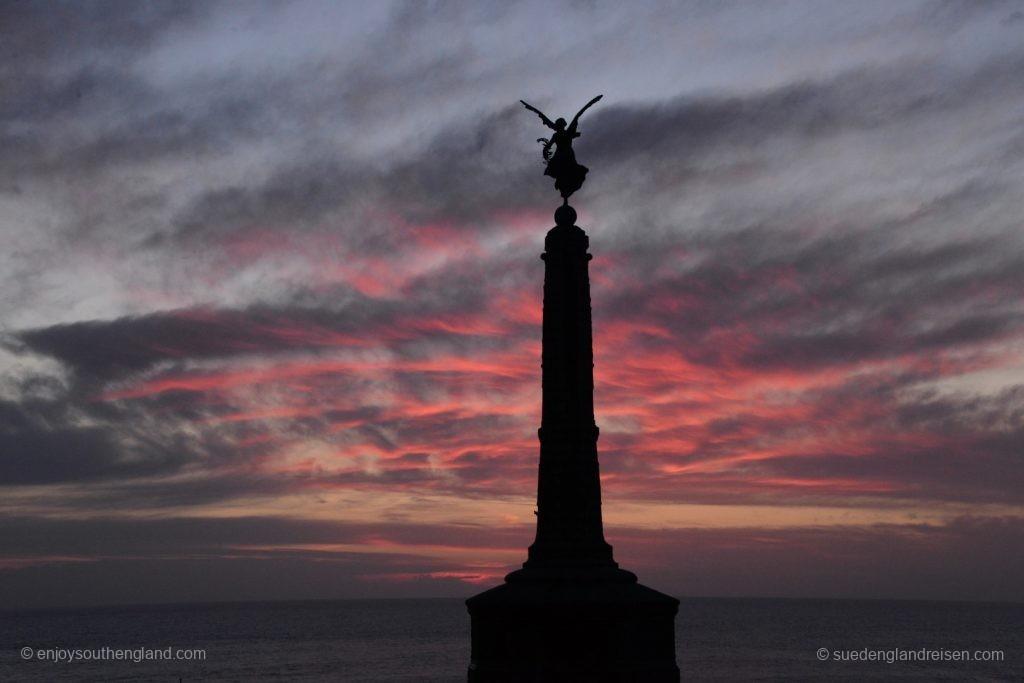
(717, 639)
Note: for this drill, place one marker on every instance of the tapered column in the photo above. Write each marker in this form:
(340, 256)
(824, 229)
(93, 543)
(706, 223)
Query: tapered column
(570, 613)
(569, 527)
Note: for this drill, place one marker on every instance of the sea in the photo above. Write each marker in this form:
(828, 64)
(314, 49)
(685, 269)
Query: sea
(717, 639)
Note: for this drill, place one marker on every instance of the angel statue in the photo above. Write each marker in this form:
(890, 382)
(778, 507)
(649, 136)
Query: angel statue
(561, 165)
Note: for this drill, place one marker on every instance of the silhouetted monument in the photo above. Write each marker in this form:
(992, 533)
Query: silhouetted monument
(570, 614)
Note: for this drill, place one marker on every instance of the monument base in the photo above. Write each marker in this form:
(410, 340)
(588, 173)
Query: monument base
(561, 624)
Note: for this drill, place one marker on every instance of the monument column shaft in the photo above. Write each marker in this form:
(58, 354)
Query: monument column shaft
(570, 613)
(569, 526)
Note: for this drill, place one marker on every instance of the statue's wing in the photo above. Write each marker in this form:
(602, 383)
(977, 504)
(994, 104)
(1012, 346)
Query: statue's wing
(547, 122)
(588, 105)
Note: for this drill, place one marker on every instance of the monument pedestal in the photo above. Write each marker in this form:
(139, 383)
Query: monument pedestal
(570, 614)
(600, 629)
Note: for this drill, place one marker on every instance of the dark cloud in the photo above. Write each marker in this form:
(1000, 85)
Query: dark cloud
(463, 176)
(833, 300)
(107, 350)
(70, 455)
(687, 129)
(60, 29)
(225, 557)
(1014, 17)
(943, 447)
(182, 535)
(911, 561)
(66, 439)
(61, 61)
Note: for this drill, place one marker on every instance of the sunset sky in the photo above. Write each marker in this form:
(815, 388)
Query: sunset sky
(270, 295)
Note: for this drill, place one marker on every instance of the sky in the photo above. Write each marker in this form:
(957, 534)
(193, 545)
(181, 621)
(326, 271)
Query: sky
(270, 295)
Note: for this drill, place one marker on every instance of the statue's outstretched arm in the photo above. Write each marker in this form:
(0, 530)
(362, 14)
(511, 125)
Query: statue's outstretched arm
(576, 119)
(547, 122)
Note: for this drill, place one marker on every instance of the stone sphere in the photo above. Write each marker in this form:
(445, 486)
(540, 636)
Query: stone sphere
(565, 215)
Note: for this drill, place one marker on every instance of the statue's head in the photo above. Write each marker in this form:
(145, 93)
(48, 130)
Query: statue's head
(560, 124)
